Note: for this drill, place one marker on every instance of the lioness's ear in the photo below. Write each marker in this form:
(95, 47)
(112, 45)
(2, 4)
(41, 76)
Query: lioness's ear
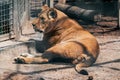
(52, 13)
(44, 7)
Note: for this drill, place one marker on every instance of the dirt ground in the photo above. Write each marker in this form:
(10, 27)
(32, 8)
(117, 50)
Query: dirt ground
(107, 66)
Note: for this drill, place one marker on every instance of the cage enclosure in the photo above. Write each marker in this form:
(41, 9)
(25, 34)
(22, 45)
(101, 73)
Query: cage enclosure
(15, 17)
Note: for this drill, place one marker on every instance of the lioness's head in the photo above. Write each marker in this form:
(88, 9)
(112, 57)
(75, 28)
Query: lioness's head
(45, 18)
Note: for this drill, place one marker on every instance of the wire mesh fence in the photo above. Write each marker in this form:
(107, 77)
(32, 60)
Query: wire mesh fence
(6, 16)
(35, 6)
(11, 14)
(15, 13)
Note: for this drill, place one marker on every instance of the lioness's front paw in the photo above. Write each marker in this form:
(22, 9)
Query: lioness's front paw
(27, 55)
(19, 60)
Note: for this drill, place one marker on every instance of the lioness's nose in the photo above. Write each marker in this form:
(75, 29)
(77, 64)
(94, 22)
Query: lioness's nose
(33, 25)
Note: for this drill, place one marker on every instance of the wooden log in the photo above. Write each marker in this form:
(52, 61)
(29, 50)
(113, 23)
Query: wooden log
(107, 24)
(77, 12)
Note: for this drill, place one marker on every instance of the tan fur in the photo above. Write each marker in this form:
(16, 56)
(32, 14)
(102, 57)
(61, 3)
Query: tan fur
(65, 38)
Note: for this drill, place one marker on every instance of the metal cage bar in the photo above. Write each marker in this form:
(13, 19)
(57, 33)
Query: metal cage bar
(20, 16)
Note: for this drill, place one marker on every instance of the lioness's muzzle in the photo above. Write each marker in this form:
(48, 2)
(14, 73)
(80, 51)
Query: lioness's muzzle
(36, 29)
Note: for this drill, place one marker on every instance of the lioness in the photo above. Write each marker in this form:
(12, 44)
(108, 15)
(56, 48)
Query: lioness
(65, 38)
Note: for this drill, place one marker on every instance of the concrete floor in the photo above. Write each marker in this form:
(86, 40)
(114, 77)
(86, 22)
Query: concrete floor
(107, 66)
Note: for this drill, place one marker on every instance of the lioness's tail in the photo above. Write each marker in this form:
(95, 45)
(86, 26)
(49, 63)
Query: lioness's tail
(79, 67)
(85, 62)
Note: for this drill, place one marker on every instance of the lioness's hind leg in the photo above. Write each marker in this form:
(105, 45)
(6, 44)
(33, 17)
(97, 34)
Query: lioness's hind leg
(83, 61)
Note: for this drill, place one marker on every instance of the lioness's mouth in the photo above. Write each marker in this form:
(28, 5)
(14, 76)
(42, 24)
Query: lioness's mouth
(36, 29)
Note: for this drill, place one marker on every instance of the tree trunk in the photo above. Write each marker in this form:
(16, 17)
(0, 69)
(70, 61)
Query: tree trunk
(77, 12)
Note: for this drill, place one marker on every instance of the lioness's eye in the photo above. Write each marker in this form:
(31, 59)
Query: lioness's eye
(42, 18)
